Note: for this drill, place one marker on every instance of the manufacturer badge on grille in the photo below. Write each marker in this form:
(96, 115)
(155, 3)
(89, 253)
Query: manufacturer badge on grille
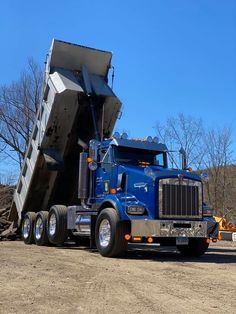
(180, 178)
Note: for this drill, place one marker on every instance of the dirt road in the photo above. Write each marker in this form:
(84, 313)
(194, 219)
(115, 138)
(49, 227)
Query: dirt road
(73, 280)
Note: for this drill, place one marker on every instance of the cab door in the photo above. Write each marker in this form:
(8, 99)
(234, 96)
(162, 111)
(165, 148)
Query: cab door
(104, 175)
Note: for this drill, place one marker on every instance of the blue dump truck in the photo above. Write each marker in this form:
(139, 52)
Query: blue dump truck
(79, 180)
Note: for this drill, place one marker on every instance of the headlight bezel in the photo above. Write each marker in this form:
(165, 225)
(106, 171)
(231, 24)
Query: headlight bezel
(135, 209)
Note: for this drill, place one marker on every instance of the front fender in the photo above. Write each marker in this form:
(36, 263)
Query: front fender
(113, 201)
(118, 204)
(212, 227)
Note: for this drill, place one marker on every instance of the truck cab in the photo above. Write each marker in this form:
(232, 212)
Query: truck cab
(130, 180)
(125, 174)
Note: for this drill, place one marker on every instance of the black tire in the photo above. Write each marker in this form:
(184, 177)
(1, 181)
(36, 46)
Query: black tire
(59, 234)
(195, 248)
(117, 245)
(27, 227)
(40, 228)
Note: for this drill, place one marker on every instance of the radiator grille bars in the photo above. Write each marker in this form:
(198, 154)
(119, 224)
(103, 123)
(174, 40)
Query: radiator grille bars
(180, 200)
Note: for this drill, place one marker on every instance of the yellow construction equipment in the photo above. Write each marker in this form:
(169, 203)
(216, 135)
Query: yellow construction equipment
(224, 226)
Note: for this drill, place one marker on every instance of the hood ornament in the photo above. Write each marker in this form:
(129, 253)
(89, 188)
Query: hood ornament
(180, 178)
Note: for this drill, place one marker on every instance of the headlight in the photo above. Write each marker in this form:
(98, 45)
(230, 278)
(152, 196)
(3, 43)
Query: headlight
(207, 211)
(135, 210)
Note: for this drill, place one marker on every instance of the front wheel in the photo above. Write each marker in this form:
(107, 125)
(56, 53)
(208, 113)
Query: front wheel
(109, 234)
(195, 248)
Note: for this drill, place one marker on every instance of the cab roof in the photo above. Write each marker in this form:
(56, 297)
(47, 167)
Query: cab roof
(139, 144)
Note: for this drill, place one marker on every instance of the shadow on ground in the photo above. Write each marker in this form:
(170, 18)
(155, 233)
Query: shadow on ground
(214, 255)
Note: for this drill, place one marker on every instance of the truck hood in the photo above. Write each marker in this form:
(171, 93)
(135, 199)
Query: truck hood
(142, 183)
(154, 173)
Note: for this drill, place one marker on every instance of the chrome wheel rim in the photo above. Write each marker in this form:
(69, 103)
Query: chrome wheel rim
(52, 224)
(26, 228)
(104, 233)
(39, 228)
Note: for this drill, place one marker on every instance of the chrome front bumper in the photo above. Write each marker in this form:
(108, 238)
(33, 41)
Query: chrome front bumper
(167, 228)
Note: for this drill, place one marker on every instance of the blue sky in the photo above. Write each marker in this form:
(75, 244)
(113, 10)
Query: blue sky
(170, 56)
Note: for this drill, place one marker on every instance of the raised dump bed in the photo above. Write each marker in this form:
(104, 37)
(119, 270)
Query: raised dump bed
(50, 171)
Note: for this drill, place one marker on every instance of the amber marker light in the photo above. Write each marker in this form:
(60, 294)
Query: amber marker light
(127, 237)
(137, 238)
(150, 239)
(113, 191)
(89, 159)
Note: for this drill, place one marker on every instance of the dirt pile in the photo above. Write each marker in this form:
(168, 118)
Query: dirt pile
(4, 223)
(8, 229)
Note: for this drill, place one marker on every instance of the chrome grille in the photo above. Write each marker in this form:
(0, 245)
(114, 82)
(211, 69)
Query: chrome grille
(180, 199)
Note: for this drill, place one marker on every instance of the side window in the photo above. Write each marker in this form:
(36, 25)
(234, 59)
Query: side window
(107, 156)
(102, 153)
(159, 160)
(106, 162)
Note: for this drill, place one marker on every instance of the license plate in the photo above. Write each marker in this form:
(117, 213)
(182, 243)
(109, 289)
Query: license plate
(181, 241)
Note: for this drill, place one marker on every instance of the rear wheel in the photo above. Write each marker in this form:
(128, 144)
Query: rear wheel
(40, 228)
(195, 248)
(27, 229)
(109, 234)
(57, 224)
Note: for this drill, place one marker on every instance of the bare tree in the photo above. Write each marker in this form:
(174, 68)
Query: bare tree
(207, 151)
(186, 132)
(218, 163)
(18, 106)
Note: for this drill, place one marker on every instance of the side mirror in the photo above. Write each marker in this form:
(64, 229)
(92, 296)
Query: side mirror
(93, 165)
(93, 149)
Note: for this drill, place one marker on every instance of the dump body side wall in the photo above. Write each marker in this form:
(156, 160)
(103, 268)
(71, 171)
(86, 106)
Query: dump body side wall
(63, 117)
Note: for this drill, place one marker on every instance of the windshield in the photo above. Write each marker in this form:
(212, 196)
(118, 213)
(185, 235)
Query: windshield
(139, 157)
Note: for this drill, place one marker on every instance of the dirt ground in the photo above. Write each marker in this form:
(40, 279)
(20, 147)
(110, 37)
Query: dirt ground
(72, 279)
